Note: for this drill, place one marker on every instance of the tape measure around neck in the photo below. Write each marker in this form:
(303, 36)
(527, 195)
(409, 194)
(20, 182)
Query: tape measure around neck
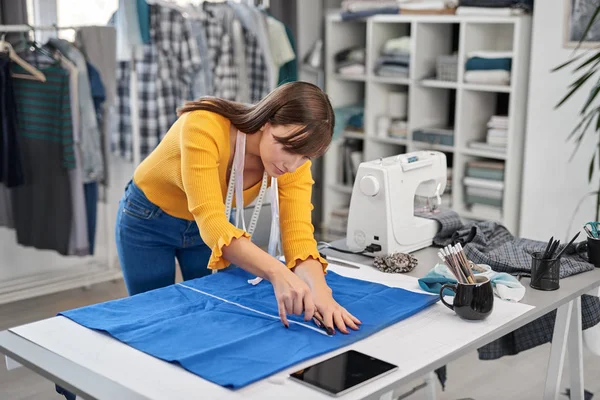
(234, 180)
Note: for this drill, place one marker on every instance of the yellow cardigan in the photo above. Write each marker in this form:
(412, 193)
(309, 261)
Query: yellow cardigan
(186, 177)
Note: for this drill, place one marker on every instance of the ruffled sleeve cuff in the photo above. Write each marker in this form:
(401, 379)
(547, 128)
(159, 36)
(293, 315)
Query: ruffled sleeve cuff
(216, 260)
(295, 260)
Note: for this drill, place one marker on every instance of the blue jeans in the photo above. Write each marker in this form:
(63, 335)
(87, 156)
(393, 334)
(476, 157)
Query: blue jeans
(149, 240)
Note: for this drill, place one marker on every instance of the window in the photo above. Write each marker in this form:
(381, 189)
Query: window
(81, 13)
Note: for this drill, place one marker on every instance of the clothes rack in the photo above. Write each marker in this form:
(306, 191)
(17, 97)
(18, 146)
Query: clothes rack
(91, 269)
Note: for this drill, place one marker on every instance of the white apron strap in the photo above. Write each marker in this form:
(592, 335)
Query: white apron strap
(236, 184)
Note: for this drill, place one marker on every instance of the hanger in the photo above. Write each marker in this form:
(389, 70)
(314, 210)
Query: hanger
(36, 75)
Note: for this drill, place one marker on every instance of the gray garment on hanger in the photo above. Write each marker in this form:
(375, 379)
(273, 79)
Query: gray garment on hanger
(99, 45)
(6, 211)
(203, 81)
(254, 21)
(78, 242)
(239, 54)
(91, 148)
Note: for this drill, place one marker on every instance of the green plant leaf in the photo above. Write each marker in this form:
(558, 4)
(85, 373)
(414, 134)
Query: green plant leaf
(580, 138)
(575, 86)
(567, 63)
(591, 170)
(598, 126)
(582, 121)
(589, 26)
(593, 93)
(595, 57)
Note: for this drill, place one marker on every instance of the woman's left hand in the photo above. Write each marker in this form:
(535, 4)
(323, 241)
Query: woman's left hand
(333, 314)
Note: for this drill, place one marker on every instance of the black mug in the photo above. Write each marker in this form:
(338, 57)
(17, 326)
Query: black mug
(593, 251)
(472, 300)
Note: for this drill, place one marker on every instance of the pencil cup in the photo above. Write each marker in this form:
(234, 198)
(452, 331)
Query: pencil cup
(593, 250)
(544, 273)
(472, 301)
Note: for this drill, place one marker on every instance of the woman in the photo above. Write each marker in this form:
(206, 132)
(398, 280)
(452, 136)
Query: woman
(175, 204)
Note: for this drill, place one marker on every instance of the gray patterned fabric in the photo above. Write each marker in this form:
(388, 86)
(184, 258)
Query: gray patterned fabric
(494, 245)
(396, 263)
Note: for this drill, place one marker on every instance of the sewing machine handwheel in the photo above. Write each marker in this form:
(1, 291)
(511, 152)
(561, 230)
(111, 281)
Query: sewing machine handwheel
(369, 185)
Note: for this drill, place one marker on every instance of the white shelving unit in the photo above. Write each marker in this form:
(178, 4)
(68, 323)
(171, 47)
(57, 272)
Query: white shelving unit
(466, 106)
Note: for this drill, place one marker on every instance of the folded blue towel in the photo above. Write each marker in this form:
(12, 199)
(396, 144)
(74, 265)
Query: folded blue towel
(485, 64)
(228, 332)
(506, 286)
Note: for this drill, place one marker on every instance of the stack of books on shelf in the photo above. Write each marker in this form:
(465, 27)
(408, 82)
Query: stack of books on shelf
(484, 187)
(338, 224)
(497, 135)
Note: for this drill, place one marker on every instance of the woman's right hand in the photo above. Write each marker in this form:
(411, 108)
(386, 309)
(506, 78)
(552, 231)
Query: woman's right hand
(293, 295)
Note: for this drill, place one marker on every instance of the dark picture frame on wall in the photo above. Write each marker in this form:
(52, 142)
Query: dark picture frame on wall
(577, 17)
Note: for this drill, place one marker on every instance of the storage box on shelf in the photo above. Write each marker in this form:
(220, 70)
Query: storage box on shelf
(433, 107)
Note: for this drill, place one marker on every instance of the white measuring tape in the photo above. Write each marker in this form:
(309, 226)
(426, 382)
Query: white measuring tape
(236, 183)
(252, 309)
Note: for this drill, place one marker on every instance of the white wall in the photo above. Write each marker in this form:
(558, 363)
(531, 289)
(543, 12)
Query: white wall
(553, 186)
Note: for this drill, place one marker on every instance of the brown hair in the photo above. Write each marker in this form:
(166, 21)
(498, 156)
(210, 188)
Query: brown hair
(294, 103)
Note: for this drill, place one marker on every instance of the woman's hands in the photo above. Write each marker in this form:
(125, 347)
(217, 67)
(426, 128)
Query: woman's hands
(333, 314)
(310, 271)
(293, 296)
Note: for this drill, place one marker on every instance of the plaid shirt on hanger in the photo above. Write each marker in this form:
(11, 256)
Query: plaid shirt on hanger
(164, 71)
(220, 46)
(220, 50)
(257, 69)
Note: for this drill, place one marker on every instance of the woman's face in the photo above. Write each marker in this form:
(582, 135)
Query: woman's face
(276, 160)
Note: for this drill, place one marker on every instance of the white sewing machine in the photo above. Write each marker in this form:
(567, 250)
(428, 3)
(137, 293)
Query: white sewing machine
(382, 204)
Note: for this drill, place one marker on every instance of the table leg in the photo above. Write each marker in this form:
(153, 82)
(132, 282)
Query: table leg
(575, 346)
(557, 351)
(430, 389)
(387, 396)
(11, 364)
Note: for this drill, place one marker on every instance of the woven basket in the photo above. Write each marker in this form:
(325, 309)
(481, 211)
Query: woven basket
(447, 68)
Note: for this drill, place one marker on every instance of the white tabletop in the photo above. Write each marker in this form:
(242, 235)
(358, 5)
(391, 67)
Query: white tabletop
(98, 366)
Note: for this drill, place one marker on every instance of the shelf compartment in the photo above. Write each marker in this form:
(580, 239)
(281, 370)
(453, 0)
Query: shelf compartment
(432, 107)
(473, 126)
(380, 33)
(433, 40)
(488, 37)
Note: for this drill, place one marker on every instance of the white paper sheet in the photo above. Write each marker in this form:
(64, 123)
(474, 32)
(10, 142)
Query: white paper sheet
(411, 344)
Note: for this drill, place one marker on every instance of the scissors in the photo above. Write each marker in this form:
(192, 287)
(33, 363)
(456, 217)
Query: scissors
(592, 229)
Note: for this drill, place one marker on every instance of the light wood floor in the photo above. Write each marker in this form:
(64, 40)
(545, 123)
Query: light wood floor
(517, 377)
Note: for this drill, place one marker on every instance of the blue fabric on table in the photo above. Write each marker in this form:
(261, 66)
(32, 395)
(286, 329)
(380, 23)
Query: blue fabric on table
(232, 346)
(487, 64)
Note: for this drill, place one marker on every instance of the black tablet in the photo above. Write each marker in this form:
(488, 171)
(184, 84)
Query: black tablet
(344, 372)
